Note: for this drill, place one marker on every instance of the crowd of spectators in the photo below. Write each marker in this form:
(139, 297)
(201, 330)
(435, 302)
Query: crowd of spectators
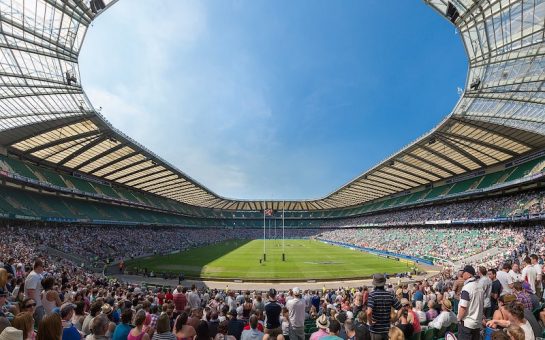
(532, 202)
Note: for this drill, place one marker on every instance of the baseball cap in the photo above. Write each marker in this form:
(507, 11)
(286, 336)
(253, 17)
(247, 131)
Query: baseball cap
(296, 291)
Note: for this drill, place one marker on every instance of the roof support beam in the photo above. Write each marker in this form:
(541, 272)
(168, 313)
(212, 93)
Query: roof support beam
(136, 179)
(100, 155)
(405, 172)
(462, 151)
(120, 159)
(481, 143)
(80, 151)
(445, 158)
(62, 141)
(421, 169)
(134, 171)
(440, 167)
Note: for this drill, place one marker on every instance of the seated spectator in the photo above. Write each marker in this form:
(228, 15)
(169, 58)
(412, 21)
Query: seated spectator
(445, 318)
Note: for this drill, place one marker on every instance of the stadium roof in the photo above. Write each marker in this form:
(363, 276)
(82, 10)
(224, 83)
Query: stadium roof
(45, 115)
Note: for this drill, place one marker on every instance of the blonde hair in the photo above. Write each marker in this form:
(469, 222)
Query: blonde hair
(515, 332)
(395, 334)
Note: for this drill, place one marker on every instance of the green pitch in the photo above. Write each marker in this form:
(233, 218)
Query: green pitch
(305, 260)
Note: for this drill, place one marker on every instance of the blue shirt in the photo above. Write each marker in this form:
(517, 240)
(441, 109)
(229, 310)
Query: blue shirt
(70, 333)
(121, 332)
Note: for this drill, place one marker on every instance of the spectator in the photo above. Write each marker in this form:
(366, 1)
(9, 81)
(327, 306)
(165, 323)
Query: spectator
(296, 308)
(470, 308)
(122, 330)
(445, 318)
(379, 305)
(50, 328)
(253, 333)
(163, 331)
(69, 331)
(322, 323)
(136, 333)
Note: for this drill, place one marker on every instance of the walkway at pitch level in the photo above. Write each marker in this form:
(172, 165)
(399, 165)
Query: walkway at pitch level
(264, 286)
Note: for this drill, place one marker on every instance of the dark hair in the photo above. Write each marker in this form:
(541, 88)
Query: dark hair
(223, 327)
(506, 266)
(181, 321)
(334, 326)
(482, 270)
(126, 316)
(48, 283)
(38, 263)
(527, 260)
(202, 331)
(95, 308)
(534, 257)
(516, 309)
(493, 270)
(80, 308)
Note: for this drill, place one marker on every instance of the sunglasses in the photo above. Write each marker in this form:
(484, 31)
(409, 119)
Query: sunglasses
(30, 305)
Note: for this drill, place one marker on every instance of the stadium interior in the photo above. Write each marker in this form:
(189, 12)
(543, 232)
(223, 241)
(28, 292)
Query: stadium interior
(475, 182)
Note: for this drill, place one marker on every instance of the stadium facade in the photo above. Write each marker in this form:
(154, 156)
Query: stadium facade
(61, 160)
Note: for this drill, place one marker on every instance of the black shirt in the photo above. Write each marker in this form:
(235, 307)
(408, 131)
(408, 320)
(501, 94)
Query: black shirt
(272, 311)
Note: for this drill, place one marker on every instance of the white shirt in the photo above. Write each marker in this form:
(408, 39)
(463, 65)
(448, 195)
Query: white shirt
(443, 320)
(529, 274)
(538, 269)
(516, 276)
(34, 281)
(472, 298)
(528, 331)
(505, 280)
(296, 308)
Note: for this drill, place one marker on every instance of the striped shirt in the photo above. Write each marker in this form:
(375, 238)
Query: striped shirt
(381, 302)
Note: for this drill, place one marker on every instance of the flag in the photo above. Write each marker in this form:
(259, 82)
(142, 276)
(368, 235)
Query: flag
(268, 212)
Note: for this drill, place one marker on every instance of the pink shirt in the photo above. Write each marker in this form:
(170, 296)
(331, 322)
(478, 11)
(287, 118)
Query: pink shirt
(318, 334)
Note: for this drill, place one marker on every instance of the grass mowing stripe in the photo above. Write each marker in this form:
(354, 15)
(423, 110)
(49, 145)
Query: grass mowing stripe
(305, 259)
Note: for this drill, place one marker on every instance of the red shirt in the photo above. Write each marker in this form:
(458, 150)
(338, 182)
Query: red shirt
(160, 298)
(259, 327)
(169, 296)
(179, 301)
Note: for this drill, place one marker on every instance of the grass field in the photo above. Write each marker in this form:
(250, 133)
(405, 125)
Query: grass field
(305, 260)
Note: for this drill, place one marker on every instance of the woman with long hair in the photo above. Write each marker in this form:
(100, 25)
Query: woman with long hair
(50, 328)
(137, 333)
(25, 322)
(202, 331)
(182, 330)
(163, 331)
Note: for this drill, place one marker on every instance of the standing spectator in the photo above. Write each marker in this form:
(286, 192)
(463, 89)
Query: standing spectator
(253, 333)
(505, 279)
(33, 289)
(495, 291)
(180, 300)
(272, 313)
(193, 298)
(538, 269)
(379, 306)
(529, 273)
(296, 308)
(470, 309)
(486, 286)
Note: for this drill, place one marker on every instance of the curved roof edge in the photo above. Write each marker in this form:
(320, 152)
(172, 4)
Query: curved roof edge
(46, 116)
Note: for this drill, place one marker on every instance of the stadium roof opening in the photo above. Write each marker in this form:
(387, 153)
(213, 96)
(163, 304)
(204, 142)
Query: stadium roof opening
(45, 115)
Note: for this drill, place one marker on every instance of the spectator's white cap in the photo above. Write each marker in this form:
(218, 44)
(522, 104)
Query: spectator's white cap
(296, 291)
(349, 315)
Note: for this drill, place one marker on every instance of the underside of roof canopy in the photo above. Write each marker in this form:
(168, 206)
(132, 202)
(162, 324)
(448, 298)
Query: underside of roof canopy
(46, 117)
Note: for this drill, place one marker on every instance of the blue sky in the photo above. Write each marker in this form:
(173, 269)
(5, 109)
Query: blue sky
(273, 99)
